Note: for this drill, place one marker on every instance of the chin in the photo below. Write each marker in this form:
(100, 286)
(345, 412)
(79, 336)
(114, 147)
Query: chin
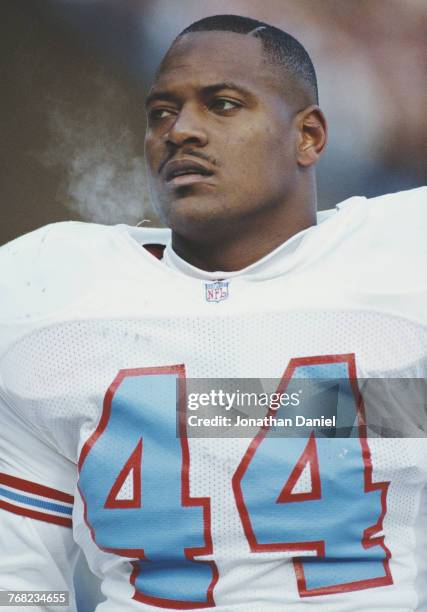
(197, 217)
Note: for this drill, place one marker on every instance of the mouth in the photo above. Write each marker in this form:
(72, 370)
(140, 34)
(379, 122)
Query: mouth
(186, 172)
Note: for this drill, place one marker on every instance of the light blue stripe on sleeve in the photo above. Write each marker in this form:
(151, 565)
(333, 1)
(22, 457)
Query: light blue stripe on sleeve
(38, 503)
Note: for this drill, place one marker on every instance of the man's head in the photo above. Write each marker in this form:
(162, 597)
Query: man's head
(234, 129)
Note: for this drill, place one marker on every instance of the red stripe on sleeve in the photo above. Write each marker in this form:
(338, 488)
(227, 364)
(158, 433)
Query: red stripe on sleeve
(38, 516)
(37, 489)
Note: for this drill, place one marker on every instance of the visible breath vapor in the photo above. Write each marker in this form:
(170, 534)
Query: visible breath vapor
(95, 150)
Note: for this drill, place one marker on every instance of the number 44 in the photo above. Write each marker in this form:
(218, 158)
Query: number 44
(162, 528)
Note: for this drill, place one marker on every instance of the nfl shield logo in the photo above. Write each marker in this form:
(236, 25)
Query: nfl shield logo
(217, 291)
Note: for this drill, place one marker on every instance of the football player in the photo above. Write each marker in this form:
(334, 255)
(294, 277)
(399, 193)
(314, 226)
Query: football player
(101, 326)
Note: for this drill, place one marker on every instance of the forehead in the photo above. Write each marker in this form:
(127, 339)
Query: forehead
(199, 58)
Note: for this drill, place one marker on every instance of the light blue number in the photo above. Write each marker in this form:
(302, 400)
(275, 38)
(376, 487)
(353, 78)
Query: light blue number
(339, 525)
(166, 530)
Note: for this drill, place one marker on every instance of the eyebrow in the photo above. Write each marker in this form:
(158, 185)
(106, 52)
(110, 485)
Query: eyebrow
(207, 90)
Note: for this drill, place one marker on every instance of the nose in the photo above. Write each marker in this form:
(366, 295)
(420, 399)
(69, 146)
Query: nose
(188, 128)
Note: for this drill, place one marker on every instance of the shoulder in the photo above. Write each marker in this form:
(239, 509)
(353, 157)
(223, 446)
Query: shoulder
(52, 236)
(55, 269)
(383, 251)
(399, 222)
(68, 239)
(402, 199)
(45, 269)
(405, 210)
(56, 238)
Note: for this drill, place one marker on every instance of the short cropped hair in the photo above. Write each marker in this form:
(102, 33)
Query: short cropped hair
(280, 48)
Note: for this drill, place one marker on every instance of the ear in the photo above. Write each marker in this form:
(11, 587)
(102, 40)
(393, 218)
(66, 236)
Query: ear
(313, 130)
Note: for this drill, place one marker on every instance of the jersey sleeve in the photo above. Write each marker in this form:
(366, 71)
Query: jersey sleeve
(36, 542)
(37, 483)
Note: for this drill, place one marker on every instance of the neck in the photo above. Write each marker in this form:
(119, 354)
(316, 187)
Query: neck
(238, 245)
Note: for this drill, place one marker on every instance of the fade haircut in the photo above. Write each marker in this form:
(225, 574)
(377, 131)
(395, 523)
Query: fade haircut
(280, 49)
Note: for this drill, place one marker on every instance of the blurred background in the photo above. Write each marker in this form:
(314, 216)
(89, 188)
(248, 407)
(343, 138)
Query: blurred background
(75, 73)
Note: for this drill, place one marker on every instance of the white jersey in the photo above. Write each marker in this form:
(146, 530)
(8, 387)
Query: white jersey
(95, 333)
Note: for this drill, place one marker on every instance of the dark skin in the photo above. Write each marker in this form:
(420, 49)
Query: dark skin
(231, 149)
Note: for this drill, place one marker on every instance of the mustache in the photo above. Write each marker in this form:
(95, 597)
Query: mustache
(190, 153)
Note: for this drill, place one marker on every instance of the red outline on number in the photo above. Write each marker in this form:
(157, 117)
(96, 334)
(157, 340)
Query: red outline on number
(187, 501)
(309, 456)
(132, 464)
(319, 546)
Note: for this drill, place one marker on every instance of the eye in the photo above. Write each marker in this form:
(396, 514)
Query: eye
(224, 105)
(156, 114)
